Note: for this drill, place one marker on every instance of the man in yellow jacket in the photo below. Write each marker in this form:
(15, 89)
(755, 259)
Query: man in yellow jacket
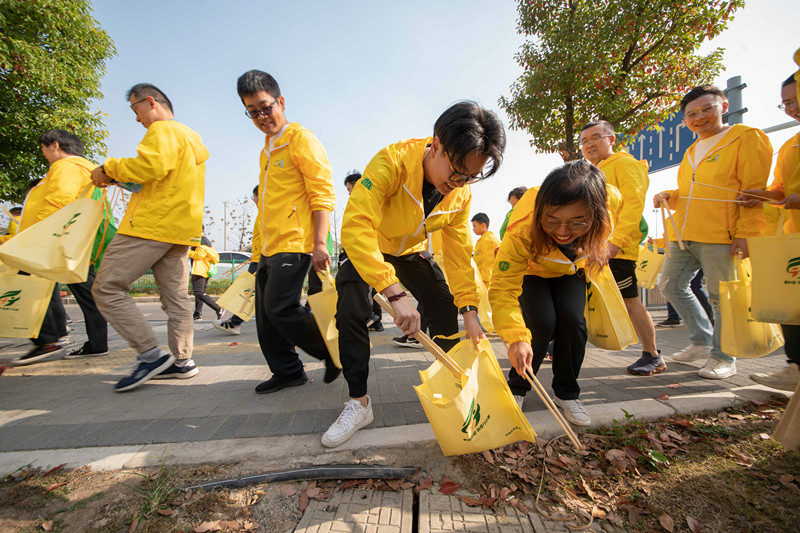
(409, 189)
(161, 222)
(485, 248)
(710, 219)
(203, 258)
(296, 198)
(67, 178)
(785, 189)
(629, 176)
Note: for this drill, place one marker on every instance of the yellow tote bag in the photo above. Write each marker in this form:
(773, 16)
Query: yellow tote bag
(59, 247)
(776, 277)
(23, 303)
(607, 321)
(741, 334)
(474, 413)
(648, 266)
(240, 298)
(323, 306)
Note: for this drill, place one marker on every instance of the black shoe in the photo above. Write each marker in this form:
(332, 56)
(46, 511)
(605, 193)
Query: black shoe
(38, 353)
(670, 322)
(82, 352)
(219, 314)
(331, 371)
(376, 326)
(407, 342)
(145, 371)
(274, 384)
(188, 370)
(197, 317)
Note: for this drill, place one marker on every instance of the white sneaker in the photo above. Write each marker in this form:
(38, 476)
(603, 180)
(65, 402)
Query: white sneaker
(786, 378)
(693, 352)
(574, 411)
(227, 327)
(353, 418)
(520, 400)
(718, 369)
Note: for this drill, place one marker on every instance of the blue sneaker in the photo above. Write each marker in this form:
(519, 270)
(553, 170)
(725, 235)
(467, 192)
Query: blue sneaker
(145, 371)
(647, 365)
(188, 370)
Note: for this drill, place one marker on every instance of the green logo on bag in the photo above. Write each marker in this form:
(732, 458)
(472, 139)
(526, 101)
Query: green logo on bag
(9, 298)
(503, 266)
(366, 183)
(65, 229)
(793, 267)
(643, 265)
(473, 419)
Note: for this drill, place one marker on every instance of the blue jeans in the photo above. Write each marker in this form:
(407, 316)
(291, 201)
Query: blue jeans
(676, 275)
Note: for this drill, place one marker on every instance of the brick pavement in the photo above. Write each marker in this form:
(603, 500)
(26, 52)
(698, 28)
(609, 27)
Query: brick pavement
(365, 511)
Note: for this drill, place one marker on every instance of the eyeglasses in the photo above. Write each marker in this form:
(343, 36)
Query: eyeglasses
(458, 177)
(263, 112)
(705, 110)
(788, 103)
(593, 140)
(572, 226)
(137, 102)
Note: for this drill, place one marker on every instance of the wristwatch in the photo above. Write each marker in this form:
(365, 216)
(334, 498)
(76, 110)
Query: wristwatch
(467, 308)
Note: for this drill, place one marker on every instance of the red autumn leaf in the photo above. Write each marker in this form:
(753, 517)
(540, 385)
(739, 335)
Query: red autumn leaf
(489, 501)
(448, 488)
(352, 483)
(633, 452)
(472, 502)
(234, 344)
(667, 522)
(55, 486)
(312, 491)
(663, 396)
(505, 492)
(694, 525)
(673, 386)
(54, 469)
(303, 503)
(488, 456)
(424, 484)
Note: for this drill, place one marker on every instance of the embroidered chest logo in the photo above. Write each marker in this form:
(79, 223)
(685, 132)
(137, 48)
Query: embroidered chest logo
(713, 159)
(278, 163)
(503, 266)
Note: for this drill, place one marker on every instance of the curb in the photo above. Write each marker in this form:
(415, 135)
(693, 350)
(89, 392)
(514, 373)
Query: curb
(373, 446)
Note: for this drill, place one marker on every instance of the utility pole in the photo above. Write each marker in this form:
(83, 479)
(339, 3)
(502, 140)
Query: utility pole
(225, 225)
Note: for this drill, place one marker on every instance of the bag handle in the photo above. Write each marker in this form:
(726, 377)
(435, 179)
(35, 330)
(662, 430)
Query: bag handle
(779, 229)
(666, 211)
(426, 341)
(326, 278)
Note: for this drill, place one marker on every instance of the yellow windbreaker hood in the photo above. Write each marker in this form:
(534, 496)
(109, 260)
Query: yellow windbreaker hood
(170, 165)
(705, 213)
(629, 176)
(514, 261)
(295, 181)
(385, 215)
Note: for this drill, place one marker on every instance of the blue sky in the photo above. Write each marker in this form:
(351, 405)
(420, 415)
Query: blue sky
(362, 75)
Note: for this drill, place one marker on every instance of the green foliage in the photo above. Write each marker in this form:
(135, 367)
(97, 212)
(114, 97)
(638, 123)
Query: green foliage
(625, 61)
(52, 57)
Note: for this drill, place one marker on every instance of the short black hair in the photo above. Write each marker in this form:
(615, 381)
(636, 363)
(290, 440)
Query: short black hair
(255, 189)
(143, 90)
(15, 210)
(481, 218)
(352, 177)
(466, 127)
(517, 192)
(255, 81)
(697, 92)
(606, 126)
(788, 81)
(69, 142)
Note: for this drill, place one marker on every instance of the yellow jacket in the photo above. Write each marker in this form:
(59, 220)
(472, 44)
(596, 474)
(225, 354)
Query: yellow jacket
(258, 242)
(13, 225)
(739, 161)
(485, 251)
(384, 215)
(203, 257)
(629, 176)
(787, 179)
(515, 261)
(295, 181)
(171, 167)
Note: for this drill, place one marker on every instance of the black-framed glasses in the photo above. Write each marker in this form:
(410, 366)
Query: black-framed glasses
(138, 102)
(262, 112)
(573, 226)
(458, 177)
(593, 140)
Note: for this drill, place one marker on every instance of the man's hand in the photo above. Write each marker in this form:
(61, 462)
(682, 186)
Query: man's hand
(473, 327)
(740, 245)
(791, 202)
(99, 178)
(657, 199)
(613, 250)
(320, 258)
(406, 316)
(520, 354)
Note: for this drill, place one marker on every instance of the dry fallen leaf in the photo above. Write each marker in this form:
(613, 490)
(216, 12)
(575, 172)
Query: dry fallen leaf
(55, 486)
(472, 502)
(47, 525)
(667, 522)
(448, 488)
(288, 490)
(694, 525)
(205, 527)
(663, 396)
(166, 512)
(312, 491)
(303, 503)
(424, 484)
(488, 456)
(786, 478)
(673, 386)
(234, 344)
(134, 524)
(54, 469)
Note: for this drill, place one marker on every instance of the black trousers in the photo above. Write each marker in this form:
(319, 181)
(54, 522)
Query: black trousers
(199, 284)
(282, 323)
(553, 310)
(235, 320)
(420, 275)
(791, 337)
(55, 319)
